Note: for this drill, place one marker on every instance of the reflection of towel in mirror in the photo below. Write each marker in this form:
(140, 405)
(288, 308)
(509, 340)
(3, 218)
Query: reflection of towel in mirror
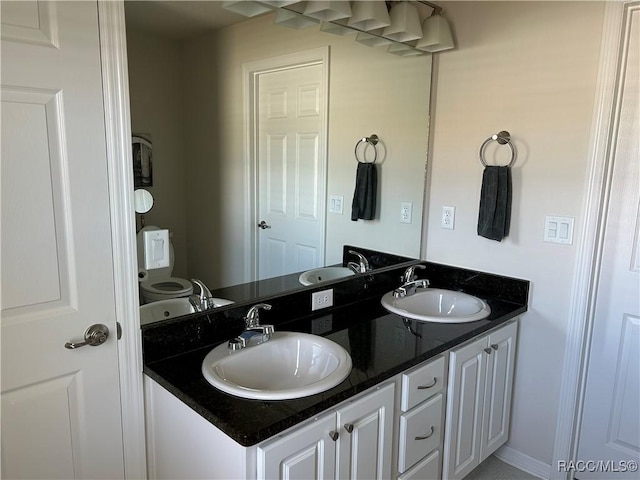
(494, 217)
(364, 196)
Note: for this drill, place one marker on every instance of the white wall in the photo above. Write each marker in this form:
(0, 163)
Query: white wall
(529, 68)
(156, 91)
(371, 91)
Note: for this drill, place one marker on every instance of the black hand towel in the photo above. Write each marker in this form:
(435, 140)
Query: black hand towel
(364, 196)
(494, 217)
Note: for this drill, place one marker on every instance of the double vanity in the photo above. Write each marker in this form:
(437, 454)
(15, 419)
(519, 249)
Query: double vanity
(386, 383)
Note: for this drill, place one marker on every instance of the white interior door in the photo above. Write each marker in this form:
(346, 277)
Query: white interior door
(291, 176)
(610, 429)
(61, 414)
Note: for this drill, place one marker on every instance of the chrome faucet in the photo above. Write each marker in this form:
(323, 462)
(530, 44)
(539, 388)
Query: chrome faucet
(410, 282)
(361, 266)
(203, 300)
(254, 333)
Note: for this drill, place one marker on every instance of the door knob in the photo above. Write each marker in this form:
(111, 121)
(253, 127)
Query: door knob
(263, 225)
(95, 335)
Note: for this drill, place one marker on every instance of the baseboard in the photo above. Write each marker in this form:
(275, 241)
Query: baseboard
(523, 462)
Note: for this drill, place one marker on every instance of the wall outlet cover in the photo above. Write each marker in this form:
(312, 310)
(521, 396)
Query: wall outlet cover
(448, 217)
(323, 299)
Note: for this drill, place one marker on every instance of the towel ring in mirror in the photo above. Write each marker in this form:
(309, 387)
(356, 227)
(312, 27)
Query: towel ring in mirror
(371, 140)
(503, 138)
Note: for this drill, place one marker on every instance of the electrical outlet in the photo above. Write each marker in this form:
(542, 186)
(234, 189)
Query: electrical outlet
(322, 325)
(323, 299)
(405, 212)
(448, 217)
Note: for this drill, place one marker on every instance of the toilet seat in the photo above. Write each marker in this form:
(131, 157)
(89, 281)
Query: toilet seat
(171, 287)
(159, 284)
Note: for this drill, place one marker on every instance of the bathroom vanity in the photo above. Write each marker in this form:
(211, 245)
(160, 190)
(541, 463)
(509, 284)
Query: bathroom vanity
(423, 400)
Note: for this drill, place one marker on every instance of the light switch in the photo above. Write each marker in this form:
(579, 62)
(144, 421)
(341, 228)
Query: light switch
(156, 249)
(335, 204)
(558, 230)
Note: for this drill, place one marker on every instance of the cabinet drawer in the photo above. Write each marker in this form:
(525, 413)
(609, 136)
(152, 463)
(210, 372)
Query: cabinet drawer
(428, 469)
(420, 432)
(421, 383)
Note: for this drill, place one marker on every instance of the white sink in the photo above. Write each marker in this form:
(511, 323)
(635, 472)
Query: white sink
(174, 307)
(289, 365)
(437, 305)
(317, 275)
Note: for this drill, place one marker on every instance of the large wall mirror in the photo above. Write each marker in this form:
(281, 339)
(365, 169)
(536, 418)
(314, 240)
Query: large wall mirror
(190, 95)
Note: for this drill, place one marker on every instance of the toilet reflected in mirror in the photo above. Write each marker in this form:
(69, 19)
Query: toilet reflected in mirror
(157, 284)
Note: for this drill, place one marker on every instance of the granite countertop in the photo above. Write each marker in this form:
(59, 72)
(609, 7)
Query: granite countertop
(380, 346)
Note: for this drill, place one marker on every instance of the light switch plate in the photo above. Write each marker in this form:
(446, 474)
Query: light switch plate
(558, 229)
(156, 249)
(336, 204)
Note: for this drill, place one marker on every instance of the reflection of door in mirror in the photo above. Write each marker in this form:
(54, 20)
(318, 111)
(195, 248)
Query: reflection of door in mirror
(291, 168)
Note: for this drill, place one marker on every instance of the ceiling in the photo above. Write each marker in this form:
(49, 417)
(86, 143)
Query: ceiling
(178, 18)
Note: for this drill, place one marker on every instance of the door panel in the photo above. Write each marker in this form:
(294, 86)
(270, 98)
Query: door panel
(60, 408)
(610, 428)
(291, 169)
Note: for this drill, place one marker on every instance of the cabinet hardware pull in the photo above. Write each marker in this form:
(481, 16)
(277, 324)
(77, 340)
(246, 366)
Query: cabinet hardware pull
(428, 435)
(495, 346)
(334, 435)
(432, 384)
(488, 350)
(349, 427)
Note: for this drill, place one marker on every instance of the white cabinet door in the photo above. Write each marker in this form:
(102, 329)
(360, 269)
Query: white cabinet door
(465, 404)
(308, 452)
(497, 405)
(364, 446)
(362, 430)
(478, 400)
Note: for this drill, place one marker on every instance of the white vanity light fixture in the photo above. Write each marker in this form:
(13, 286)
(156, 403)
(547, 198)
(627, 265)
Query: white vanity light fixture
(372, 40)
(436, 34)
(287, 18)
(405, 23)
(335, 29)
(328, 10)
(279, 3)
(248, 8)
(369, 15)
(404, 50)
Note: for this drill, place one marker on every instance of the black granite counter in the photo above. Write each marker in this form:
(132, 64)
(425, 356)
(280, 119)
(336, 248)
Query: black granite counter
(380, 345)
(270, 287)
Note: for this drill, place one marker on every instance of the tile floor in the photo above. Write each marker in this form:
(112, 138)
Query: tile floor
(494, 469)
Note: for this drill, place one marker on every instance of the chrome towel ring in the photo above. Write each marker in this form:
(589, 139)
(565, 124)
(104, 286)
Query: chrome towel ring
(371, 140)
(503, 138)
